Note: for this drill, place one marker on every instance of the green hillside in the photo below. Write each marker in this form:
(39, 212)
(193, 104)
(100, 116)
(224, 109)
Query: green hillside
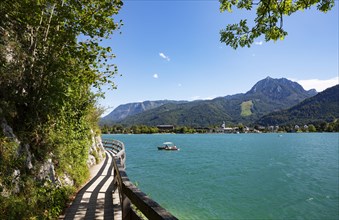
(266, 96)
(322, 107)
(246, 108)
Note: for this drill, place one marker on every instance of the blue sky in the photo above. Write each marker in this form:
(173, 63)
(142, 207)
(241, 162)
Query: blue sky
(171, 50)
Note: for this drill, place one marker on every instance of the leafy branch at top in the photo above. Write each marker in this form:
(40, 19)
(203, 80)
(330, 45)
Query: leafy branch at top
(269, 19)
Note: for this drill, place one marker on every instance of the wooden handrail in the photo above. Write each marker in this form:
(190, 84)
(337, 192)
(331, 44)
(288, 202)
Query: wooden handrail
(128, 192)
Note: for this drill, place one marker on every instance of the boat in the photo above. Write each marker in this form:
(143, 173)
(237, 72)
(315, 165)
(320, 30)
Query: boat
(168, 146)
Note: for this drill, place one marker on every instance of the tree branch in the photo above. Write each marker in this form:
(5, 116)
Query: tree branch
(49, 22)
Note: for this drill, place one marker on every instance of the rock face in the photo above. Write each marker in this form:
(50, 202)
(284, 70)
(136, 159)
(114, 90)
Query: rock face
(46, 170)
(16, 175)
(96, 152)
(29, 157)
(7, 130)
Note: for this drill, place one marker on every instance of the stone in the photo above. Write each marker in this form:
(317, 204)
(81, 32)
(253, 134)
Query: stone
(8, 131)
(96, 151)
(47, 171)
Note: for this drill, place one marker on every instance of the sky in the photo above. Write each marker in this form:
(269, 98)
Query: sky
(171, 50)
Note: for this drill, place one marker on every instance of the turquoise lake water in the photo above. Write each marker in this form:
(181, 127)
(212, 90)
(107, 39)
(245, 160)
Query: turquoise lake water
(238, 176)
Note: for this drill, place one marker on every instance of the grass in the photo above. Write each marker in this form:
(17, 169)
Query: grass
(246, 108)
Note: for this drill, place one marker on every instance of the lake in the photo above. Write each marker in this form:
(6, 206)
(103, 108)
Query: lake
(238, 176)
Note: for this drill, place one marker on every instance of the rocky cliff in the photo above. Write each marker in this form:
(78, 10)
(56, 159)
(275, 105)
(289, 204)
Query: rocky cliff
(40, 171)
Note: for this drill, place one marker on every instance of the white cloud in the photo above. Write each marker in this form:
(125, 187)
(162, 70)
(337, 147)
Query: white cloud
(199, 98)
(155, 76)
(162, 55)
(318, 84)
(195, 98)
(259, 43)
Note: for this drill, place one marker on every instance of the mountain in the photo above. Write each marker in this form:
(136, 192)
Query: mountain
(266, 96)
(195, 114)
(123, 111)
(279, 88)
(322, 107)
(270, 95)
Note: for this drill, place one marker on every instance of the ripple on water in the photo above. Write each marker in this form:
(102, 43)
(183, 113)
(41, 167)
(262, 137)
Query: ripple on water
(261, 176)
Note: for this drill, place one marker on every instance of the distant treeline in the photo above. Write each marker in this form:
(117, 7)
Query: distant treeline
(144, 129)
(320, 126)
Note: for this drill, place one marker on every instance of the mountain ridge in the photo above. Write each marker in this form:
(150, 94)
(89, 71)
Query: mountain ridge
(266, 96)
(128, 109)
(323, 107)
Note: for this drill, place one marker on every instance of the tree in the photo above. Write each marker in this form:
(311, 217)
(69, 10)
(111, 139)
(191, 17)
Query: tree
(50, 57)
(269, 20)
(311, 128)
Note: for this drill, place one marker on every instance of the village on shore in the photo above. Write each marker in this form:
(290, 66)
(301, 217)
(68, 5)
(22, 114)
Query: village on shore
(223, 128)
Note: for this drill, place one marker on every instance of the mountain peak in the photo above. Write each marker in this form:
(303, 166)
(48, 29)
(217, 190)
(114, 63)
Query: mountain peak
(277, 88)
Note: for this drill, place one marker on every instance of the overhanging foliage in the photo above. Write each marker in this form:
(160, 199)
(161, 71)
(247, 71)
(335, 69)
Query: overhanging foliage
(269, 19)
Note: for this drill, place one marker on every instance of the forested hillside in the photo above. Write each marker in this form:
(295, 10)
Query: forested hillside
(47, 110)
(324, 107)
(266, 96)
(129, 109)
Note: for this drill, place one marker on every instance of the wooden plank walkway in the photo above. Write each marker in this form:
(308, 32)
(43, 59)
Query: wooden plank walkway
(96, 199)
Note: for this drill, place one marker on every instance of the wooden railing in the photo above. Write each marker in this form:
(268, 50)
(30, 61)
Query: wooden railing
(129, 194)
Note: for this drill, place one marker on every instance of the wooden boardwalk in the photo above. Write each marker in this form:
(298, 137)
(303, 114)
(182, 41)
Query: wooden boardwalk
(96, 199)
